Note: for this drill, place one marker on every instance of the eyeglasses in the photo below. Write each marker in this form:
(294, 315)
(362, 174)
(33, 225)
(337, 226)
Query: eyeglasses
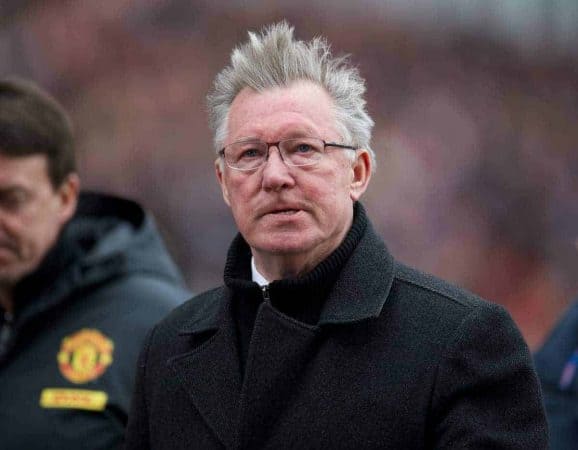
(252, 154)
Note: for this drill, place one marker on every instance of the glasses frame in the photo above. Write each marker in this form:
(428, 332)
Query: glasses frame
(276, 144)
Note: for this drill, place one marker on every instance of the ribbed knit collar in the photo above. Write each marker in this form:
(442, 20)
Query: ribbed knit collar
(312, 285)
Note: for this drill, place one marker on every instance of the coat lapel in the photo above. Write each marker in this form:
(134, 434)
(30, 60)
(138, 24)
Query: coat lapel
(210, 373)
(280, 349)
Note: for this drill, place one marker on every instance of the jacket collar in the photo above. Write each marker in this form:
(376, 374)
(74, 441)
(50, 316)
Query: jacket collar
(358, 294)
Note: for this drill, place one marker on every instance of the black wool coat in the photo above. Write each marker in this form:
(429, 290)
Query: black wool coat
(397, 360)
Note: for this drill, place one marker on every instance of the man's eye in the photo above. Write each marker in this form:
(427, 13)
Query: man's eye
(250, 153)
(304, 148)
(12, 202)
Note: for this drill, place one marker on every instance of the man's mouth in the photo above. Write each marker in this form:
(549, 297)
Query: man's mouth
(285, 212)
(6, 255)
(8, 247)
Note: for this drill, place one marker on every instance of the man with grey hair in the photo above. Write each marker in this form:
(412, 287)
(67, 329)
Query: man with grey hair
(319, 338)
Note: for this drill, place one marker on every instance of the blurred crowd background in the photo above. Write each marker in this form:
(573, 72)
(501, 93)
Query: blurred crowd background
(475, 103)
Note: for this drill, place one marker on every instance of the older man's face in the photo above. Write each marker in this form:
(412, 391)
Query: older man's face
(297, 213)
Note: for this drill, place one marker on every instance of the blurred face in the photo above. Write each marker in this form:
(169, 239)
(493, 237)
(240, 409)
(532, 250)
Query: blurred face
(32, 213)
(292, 217)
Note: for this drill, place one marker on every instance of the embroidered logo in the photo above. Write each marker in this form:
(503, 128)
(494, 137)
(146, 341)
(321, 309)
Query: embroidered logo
(85, 355)
(73, 399)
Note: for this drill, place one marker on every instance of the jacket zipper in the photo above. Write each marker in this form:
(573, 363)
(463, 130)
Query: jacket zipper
(265, 291)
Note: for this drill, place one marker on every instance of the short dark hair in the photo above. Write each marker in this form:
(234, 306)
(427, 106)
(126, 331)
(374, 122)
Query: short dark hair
(33, 122)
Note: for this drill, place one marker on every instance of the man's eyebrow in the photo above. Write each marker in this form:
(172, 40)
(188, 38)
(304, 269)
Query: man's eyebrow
(247, 139)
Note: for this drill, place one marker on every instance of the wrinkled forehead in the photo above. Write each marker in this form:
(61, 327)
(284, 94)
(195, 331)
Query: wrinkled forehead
(302, 108)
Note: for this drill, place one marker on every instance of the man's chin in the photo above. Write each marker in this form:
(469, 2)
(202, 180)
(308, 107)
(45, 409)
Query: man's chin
(285, 244)
(7, 279)
(9, 276)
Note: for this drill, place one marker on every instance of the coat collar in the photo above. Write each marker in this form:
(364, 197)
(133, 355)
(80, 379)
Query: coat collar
(358, 294)
(363, 284)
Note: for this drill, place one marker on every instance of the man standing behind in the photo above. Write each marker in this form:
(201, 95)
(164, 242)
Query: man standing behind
(557, 366)
(82, 279)
(319, 338)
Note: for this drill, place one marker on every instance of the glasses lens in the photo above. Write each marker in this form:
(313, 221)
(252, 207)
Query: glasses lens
(301, 151)
(246, 155)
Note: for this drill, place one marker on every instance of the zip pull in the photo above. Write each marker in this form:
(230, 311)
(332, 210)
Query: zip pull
(265, 291)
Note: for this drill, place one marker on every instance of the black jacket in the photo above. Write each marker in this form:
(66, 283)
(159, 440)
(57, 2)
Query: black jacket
(67, 358)
(557, 365)
(394, 359)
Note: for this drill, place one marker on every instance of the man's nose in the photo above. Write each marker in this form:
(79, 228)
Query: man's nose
(276, 174)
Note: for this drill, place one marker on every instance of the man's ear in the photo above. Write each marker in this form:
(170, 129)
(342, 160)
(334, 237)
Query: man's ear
(68, 193)
(219, 173)
(361, 170)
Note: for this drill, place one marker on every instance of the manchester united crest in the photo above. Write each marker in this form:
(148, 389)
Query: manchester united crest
(85, 355)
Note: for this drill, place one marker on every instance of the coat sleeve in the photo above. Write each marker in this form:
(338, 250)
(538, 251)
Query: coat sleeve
(137, 432)
(487, 393)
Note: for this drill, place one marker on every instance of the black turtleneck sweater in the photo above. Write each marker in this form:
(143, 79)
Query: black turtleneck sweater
(301, 298)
